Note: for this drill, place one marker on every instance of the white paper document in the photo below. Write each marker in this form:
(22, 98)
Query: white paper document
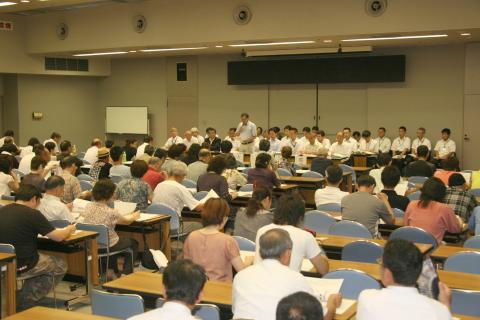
(210, 194)
(79, 205)
(159, 257)
(146, 216)
(245, 194)
(124, 207)
(301, 171)
(323, 288)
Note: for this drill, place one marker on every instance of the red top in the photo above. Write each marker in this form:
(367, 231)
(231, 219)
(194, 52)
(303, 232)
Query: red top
(436, 218)
(153, 177)
(443, 175)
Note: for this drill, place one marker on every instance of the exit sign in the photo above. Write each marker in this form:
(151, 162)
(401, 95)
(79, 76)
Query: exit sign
(6, 25)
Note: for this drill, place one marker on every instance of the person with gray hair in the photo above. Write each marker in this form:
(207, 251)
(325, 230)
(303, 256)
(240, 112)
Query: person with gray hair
(258, 289)
(51, 205)
(199, 167)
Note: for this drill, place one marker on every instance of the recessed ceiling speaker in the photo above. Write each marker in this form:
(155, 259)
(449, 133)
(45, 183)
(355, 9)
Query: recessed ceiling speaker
(62, 31)
(242, 15)
(139, 23)
(375, 8)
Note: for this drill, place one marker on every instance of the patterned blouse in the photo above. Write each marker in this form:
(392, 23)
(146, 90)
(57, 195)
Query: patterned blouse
(134, 190)
(285, 164)
(100, 213)
(72, 187)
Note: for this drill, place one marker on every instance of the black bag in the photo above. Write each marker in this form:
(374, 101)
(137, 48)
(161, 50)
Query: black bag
(147, 257)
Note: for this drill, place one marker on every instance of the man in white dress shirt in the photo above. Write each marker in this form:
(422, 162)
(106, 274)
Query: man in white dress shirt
(196, 135)
(233, 139)
(367, 144)
(275, 144)
(331, 193)
(401, 266)
(92, 153)
(420, 141)
(401, 144)
(323, 140)
(50, 205)
(340, 149)
(247, 132)
(312, 146)
(293, 142)
(183, 283)
(305, 131)
(55, 137)
(174, 139)
(141, 148)
(286, 133)
(384, 143)
(189, 139)
(347, 138)
(445, 148)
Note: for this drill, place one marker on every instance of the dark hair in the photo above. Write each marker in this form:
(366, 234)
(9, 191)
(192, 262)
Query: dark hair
(450, 164)
(65, 145)
(290, 210)
(366, 133)
(217, 164)
(138, 168)
(8, 133)
(183, 281)
(287, 127)
(334, 174)
(306, 129)
(211, 129)
(193, 151)
(55, 135)
(103, 190)
(382, 128)
(260, 129)
(402, 128)
(432, 190)
(33, 141)
(356, 133)
(446, 130)
(5, 165)
(226, 146)
(299, 306)
(321, 132)
(365, 181)
(422, 151)
(67, 162)
(404, 260)
(116, 152)
(286, 152)
(160, 153)
(37, 162)
(38, 149)
(149, 149)
(232, 129)
(456, 180)
(294, 130)
(384, 159)
(175, 151)
(109, 144)
(276, 129)
(50, 146)
(390, 176)
(10, 148)
(255, 202)
(26, 192)
(147, 139)
(244, 115)
(347, 128)
(214, 211)
(264, 145)
(230, 161)
(53, 182)
(262, 160)
(272, 129)
(422, 129)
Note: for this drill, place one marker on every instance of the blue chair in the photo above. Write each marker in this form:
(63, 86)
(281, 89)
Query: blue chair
(162, 208)
(59, 223)
(362, 251)
(473, 242)
(414, 234)
(86, 185)
(85, 177)
(414, 196)
(346, 168)
(319, 221)
(245, 244)
(189, 183)
(336, 207)
(350, 229)
(9, 198)
(200, 195)
(248, 187)
(354, 282)
(312, 174)
(475, 192)
(417, 180)
(398, 213)
(467, 262)
(116, 179)
(201, 310)
(284, 172)
(466, 302)
(114, 305)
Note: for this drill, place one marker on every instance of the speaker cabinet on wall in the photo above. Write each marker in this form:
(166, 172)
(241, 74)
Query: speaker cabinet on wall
(181, 71)
(375, 8)
(242, 15)
(139, 23)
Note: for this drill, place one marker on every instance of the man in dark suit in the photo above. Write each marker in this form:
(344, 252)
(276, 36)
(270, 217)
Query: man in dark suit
(213, 141)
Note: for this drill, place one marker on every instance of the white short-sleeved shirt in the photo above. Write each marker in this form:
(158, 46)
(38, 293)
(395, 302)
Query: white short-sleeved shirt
(401, 144)
(296, 145)
(175, 195)
(247, 131)
(424, 142)
(5, 179)
(200, 139)
(91, 155)
(141, 149)
(258, 289)
(275, 145)
(189, 143)
(399, 303)
(445, 147)
(170, 310)
(25, 150)
(344, 149)
(24, 165)
(370, 146)
(329, 195)
(56, 150)
(304, 244)
(120, 170)
(171, 141)
(309, 148)
(54, 209)
(325, 143)
(352, 142)
(384, 144)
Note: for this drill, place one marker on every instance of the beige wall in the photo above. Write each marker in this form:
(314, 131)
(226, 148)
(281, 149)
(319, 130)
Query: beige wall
(10, 104)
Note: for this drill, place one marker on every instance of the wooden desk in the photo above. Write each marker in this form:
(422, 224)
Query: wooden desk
(53, 314)
(6, 202)
(463, 317)
(8, 260)
(361, 169)
(306, 185)
(444, 251)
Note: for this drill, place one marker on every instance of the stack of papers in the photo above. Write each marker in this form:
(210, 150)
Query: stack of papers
(338, 156)
(146, 216)
(246, 194)
(124, 208)
(210, 194)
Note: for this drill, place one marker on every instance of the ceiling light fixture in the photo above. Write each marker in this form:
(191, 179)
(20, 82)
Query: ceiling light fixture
(99, 54)
(218, 46)
(7, 3)
(25, 1)
(172, 49)
(270, 43)
(397, 38)
(327, 41)
(465, 34)
(132, 51)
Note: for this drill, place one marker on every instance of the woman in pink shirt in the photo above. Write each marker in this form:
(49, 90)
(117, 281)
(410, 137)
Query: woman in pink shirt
(430, 214)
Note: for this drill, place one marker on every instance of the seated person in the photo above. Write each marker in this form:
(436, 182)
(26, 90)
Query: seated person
(234, 177)
(72, 188)
(199, 167)
(66, 150)
(212, 140)
(285, 163)
(147, 153)
(366, 208)
(92, 152)
(215, 251)
(430, 214)
(258, 289)
(98, 212)
(323, 140)
(109, 144)
(304, 306)
(331, 193)
(264, 146)
(289, 215)
(445, 148)
(118, 168)
(154, 175)
(275, 145)
(192, 154)
(390, 179)
(20, 227)
(130, 149)
(101, 168)
(367, 144)
(9, 180)
(183, 283)
(51, 205)
(459, 198)
(213, 179)
(37, 151)
(135, 189)
(383, 160)
(173, 139)
(50, 147)
(449, 167)
(37, 174)
(402, 264)
(173, 156)
(256, 215)
(312, 146)
(293, 141)
(263, 175)
(340, 148)
(421, 167)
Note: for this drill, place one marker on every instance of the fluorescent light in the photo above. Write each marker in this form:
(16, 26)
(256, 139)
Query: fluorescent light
(327, 41)
(7, 3)
(465, 34)
(399, 37)
(172, 49)
(99, 54)
(269, 43)
(25, 1)
(132, 51)
(218, 46)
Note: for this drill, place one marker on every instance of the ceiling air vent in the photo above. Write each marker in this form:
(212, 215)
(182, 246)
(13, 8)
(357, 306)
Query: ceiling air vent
(64, 64)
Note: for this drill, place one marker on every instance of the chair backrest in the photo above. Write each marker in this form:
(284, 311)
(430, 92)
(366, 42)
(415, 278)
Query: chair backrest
(346, 168)
(330, 207)
(354, 282)
(244, 244)
(398, 213)
(414, 196)
(10, 198)
(116, 179)
(467, 262)
(189, 183)
(284, 172)
(7, 248)
(466, 302)
(165, 209)
(475, 192)
(86, 185)
(414, 234)
(417, 179)
(473, 242)
(350, 229)
(206, 311)
(59, 223)
(319, 221)
(84, 177)
(102, 238)
(159, 303)
(362, 251)
(247, 187)
(120, 306)
(19, 173)
(200, 195)
(312, 174)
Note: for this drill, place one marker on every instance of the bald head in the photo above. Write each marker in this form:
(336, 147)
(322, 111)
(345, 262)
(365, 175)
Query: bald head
(339, 137)
(276, 244)
(204, 155)
(97, 142)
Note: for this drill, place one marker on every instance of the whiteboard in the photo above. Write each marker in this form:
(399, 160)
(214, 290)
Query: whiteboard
(127, 120)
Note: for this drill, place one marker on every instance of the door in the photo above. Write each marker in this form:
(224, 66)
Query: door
(471, 130)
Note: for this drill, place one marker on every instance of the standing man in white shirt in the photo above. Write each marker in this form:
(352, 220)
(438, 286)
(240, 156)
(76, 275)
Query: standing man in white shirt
(340, 148)
(247, 132)
(420, 141)
(384, 143)
(183, 283)
(402, 264)
(196, 135)
(174, 139)
(445, 148)
(189, 139)
(331, 193)
(141, 148)
(92, 152)
(55, 137)
(51, 205)
(347, 138)
(275, 144)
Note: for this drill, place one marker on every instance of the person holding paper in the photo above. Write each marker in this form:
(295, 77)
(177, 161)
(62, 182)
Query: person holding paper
(312, 146)
(135, 189)
(213, 179)
(51, 206)
(98, 212)
(367, 144)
